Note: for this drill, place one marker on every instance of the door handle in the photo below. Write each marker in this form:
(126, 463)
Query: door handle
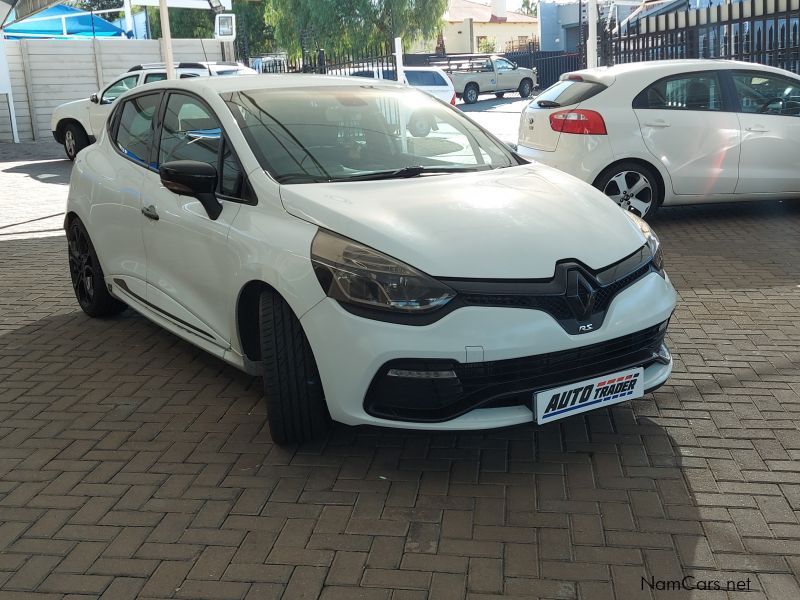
(657, 123)
(150, 212)
(757, 129)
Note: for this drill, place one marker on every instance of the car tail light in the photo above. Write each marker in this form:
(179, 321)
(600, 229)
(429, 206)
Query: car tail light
(582, 122)
(574, 78)
(453, 99)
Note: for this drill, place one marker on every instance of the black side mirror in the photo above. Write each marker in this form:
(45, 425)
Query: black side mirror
(94, 98)
(193, 178)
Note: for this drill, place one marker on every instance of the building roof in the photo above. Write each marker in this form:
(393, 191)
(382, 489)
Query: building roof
(458, 10)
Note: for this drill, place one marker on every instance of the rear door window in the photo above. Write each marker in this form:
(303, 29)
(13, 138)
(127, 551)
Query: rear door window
(151, 77)
(568, 92)
(690, 91)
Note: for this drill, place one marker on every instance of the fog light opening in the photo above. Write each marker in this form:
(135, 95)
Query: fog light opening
(422, 374)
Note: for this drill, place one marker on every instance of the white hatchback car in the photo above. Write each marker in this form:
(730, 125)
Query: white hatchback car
(294, 227)
(671, 132)
(76, 124)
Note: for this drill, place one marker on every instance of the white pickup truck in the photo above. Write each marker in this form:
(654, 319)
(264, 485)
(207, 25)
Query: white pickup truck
(473, 75)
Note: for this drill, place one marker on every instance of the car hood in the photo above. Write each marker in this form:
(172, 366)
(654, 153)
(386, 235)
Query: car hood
(83, 102)
(512, 223)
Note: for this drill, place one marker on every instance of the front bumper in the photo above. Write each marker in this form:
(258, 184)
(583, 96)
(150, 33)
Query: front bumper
(351, 351)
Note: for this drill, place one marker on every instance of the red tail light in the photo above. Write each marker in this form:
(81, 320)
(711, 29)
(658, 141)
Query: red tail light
(453, 99)
(582, 122)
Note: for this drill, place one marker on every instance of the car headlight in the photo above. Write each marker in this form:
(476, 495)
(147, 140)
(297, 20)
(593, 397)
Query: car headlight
(356, 274)
(653, 243)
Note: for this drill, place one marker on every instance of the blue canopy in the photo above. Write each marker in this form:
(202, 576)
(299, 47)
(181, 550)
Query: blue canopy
(51, 23)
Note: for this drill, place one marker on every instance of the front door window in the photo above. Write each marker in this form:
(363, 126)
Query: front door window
(116, 89)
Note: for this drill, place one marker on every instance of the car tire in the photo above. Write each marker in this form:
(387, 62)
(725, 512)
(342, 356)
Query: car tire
(420, 126)
(499, 94)
(525, 88)
(88, 281)
(633, 186)
(296, 408)
(75, 140)
(470, 94)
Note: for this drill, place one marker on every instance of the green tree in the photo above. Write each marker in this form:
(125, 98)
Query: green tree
(530, 8)
(487, 46)
(103, 5)
(340, 24)
(183, 23)
(193, 23)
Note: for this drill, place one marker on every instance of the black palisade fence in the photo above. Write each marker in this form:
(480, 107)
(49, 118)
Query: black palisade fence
(377, 61)
(759, 31)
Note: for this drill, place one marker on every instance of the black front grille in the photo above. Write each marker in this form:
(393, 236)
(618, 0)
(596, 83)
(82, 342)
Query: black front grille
(499, 382)
(556, 304)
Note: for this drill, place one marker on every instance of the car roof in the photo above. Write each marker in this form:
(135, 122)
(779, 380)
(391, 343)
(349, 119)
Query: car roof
(221, 85)
(662, 68)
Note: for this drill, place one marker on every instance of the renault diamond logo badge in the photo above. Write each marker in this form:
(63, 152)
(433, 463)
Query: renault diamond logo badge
(580, 295)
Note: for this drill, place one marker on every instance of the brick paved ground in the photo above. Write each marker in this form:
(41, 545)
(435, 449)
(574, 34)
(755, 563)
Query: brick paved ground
(133, 465)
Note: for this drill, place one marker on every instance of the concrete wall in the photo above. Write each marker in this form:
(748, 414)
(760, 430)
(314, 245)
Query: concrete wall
(554, 19)
(46, 73)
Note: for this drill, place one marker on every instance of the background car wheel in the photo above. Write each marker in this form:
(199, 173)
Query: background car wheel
(296, 408)
(471, 93)
(75, 140)
(632, 186)
(87, 276)
(525, 88)
(500, 94)
(420, 125)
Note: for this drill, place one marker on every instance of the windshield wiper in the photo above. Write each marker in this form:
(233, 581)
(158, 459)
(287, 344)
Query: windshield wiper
(548, 104)
(300, 178)
(407, 172)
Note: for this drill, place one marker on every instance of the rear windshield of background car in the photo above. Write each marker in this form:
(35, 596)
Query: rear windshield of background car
(567, 93)
(424, 78)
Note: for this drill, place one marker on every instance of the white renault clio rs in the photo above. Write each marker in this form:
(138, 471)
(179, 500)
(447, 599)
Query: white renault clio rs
(294, 227)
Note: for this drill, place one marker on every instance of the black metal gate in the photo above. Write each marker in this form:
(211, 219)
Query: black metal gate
(376, 62)
(760, 31)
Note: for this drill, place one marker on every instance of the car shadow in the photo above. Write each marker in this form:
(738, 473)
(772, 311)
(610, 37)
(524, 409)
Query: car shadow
(54, 171)
(512, 102)
(592, 506)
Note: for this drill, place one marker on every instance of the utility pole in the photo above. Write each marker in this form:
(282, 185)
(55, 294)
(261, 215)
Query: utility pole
(591, 38)
(166, 39)
(126, 8)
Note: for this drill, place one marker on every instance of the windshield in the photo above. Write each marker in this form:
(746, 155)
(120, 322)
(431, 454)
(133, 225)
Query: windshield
(303, 135)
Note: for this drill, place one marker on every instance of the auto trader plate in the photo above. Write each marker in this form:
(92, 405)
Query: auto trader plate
(567, 400)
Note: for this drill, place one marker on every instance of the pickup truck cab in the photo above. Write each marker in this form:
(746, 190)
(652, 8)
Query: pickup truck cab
(76, 124)
(473, 75)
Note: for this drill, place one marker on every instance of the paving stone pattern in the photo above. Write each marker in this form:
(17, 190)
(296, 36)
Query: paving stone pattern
(134, 466)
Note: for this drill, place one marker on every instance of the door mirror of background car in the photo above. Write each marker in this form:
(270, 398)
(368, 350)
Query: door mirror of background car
(95, 98)
(193, 178)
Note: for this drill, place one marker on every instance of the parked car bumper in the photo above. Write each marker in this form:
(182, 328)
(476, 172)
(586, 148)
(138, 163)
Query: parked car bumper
(354, 353)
